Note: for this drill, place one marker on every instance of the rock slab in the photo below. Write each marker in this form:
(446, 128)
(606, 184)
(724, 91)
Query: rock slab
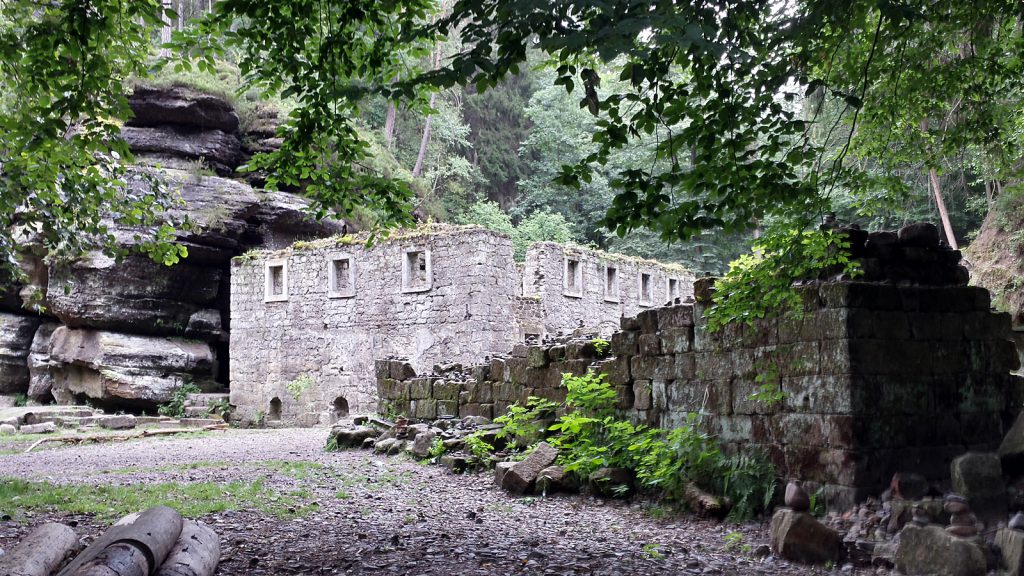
(932, 550)
(979, 477)
(1011, 545)
(521, 475)
(798, 537)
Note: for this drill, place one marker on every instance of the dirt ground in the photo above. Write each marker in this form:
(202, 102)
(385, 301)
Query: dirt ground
(362, 513)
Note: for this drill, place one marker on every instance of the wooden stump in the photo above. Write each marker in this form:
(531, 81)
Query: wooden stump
(196, 552)
(119, 559)
(41, 552)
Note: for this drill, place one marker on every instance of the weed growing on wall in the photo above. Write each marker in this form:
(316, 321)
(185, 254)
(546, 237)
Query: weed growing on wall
(175, 407)
(523, 425)
(299, 385)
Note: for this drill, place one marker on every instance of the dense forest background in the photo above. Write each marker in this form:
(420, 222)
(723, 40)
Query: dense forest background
(491, 158)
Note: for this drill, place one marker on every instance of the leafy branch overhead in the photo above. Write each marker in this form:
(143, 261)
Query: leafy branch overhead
(740, 112)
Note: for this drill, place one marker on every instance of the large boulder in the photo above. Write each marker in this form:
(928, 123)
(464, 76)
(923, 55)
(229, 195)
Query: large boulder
(40, 381)
(16, 334)
(932, 550)
(1011, 450)
(133, 295)
(122, 369)
(1011, 548)
(797, 536)
(181, 106)
(979, 477)
(996, 260)
(220, 151)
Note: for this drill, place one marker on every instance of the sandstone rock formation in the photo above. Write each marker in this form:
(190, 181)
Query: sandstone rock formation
(129, 332)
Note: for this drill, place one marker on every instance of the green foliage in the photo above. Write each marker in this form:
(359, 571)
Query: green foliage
(332, 444)
(601, 346)
(541, 226)
(437, 448)
(652, 550)
(221, 407)
(760, 284)
(64, 164)
(479, 447)
(20, 399)
(299, 385)
(490, 216)
(523, 424)
(769, 390)
(175, 407)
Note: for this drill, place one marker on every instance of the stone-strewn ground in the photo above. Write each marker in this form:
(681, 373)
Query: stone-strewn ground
(385, 515)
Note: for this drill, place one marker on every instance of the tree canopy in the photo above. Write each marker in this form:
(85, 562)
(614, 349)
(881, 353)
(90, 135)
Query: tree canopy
(726, 114)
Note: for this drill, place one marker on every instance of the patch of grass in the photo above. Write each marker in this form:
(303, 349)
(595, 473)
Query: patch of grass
(298, 469)
(110, 502)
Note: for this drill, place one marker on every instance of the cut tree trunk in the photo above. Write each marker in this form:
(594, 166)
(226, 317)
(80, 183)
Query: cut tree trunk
(118, 559)
(154, 532)
(41, 552)
(196, 552)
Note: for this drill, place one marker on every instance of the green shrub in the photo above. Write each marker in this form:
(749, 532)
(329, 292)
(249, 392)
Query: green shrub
(523, 424)
(175, 407)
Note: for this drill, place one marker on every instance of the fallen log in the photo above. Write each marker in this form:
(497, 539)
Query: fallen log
(702, 503)
(154, 532)
(118, 559)
(196, 553)
(41, 552)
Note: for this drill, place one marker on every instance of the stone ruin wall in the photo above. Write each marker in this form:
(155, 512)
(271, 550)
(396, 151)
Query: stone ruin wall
(334, 339)
(472, 308)
(878, 377)
(604, 288)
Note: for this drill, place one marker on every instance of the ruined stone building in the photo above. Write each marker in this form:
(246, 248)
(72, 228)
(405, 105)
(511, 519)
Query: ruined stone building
(308, 322)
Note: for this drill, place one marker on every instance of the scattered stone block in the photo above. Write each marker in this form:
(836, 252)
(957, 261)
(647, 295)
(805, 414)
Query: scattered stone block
(797, 536)
(200, 422)
(612, 482)
(422, 443)
(523, 473)
(979, 477)
(1011, 544)
(919, 234)
(537, 357)
(932, 550)
(7, 429)
(41, 428)
(455, 463)
(554, 479)
(119, 422)
(500, 469)
(352, 436)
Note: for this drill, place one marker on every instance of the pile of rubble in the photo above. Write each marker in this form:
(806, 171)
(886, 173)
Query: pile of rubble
(915, 526)
(47, 419)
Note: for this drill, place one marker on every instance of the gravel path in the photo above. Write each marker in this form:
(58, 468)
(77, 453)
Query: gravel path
(388, 515)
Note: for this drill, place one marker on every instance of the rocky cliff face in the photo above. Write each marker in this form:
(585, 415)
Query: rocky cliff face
(128, 333)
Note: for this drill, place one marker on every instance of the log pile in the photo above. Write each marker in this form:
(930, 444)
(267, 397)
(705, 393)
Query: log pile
(153, 542)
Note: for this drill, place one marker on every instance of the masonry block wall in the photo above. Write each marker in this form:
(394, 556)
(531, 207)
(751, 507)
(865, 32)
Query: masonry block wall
(582, 288)
(320, 314)
(874, 379)
(310, 320)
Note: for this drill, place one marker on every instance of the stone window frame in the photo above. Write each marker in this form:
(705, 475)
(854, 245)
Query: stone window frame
(332, 275)
(612, 289)
(668, 288)
(407, 286)
(574, 264)
(268, 266)
(640, 296)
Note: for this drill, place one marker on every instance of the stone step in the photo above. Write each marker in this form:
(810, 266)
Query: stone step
(197, 411)
(206, 399)
(200, 422)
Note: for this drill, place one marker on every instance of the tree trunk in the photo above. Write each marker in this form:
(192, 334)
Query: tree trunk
(389, 126)
(154, 532)
(943, 213)
(418, 169)
(195, 554)
(41, 552)
(424, 141)
(165, 30)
